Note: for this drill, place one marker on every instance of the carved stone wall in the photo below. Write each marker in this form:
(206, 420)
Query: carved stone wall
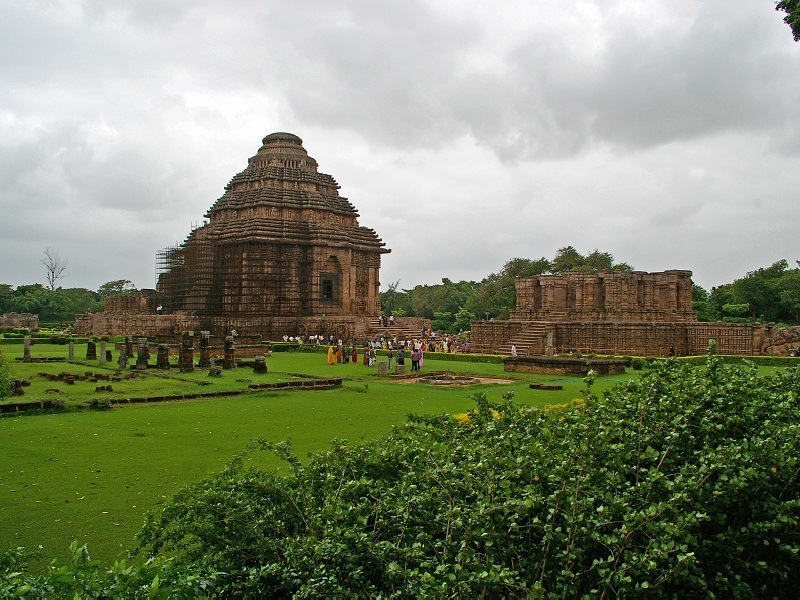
(28, 320)
(142, 301)
(623, 313)
(618, 296)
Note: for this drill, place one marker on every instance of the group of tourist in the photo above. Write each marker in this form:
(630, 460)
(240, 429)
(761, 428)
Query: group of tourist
(395, 351)
(340, 354)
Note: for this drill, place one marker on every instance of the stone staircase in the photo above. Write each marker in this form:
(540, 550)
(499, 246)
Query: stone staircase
(528, 342)
(376, 330)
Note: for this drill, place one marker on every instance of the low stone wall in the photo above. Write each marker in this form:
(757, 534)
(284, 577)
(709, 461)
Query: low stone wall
(251, 329)
(19, 320)
(137, 324)
(142, 301)
(639, 339)
(487, 336)
(643, 339)
(563, 366)
(731, 338)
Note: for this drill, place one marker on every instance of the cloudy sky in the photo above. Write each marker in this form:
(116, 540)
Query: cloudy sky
(666, 132)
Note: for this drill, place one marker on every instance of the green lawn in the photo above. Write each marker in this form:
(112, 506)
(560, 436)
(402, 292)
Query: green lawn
(92, 475)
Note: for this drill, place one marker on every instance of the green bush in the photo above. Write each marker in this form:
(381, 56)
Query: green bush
(759, 361)
(84, 578)
(680, 483)
(295, 347)
(459, 357)
(5, 377)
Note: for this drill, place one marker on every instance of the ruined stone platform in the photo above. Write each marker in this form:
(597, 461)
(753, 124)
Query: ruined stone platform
(558, 365)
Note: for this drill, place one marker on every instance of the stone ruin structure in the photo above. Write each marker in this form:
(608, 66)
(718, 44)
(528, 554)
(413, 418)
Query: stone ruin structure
(614, 312)
(19, 320)
(282, 253)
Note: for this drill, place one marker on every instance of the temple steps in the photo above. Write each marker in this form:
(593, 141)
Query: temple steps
(376, 331)
(531, 341)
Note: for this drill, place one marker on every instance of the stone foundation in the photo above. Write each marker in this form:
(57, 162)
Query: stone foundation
(563, 366)
(169, 328)
(633, 339)
(19, 320)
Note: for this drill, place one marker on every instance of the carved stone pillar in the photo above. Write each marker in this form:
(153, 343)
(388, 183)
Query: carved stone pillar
(229, 361)
(142, 354)
(162, 360)
(186, 356)
(123, 357)
(205, 349)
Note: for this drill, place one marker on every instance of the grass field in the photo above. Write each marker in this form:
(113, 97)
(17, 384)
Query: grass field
(92, 475)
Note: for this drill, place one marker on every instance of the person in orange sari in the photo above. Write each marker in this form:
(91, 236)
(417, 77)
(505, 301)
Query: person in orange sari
(331, 358)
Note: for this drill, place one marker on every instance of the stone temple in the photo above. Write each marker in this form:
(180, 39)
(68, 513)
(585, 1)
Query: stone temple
(282, 253)
(613, 312)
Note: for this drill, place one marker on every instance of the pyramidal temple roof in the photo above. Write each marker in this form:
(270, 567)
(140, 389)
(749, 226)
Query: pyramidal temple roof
(282, 196)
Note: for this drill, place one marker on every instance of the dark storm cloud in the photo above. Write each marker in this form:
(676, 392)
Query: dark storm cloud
(400, 76)
(665, 132)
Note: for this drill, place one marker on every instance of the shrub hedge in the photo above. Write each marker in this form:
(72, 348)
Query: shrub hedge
(682, 483)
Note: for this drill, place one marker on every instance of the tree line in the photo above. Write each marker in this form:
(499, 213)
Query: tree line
(59, 304)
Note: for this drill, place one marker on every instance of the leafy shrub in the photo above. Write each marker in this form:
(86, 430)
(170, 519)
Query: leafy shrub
(295, 347)
(5, 377)
(461, 357)
(84, 578)
(759, 361)
(681, 483)
(637, 364)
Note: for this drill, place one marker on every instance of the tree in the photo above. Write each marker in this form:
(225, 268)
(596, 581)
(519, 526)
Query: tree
(720, 296)
(598, 261)
(497, 294)
(702, 305)
(118, 287)
(442, 321)
(792, 18)
(735, 313)
(463, 320)
(389, 297)
(6, 296)
(567, 259)
(54, 265)
(758, 290)
(790, 293)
